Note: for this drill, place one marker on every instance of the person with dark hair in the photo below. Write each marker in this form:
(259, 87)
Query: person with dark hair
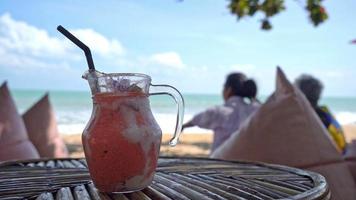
(226, 119)
(251, 87)
(312, 89)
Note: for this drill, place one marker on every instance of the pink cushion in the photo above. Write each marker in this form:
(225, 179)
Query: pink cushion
(42, 129)
(14, 143)
(285, 130)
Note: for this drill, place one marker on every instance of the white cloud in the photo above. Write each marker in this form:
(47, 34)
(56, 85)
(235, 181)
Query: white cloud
(24, 47)
(24, 44)
(16, 63)
(27, 52)
(99, 43)
(21, 38)
(169, 59)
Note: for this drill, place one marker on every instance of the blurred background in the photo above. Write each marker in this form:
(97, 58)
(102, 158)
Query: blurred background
(191, 45)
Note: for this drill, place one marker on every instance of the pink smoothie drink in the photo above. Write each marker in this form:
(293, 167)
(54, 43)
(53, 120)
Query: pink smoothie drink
(121, 142)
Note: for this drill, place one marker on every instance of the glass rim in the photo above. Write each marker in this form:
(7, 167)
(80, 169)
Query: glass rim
(127, 74)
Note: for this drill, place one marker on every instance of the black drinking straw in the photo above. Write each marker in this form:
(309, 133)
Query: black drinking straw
(80, 44)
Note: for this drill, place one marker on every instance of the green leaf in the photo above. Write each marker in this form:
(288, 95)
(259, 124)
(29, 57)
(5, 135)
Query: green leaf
(266, 25)
(248, 8)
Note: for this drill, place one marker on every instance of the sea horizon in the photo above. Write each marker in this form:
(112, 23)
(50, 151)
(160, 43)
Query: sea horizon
(73, 107)
(184, 93)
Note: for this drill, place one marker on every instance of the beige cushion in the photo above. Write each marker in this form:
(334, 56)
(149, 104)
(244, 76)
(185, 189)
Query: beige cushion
(14, 143)
(1, 129)
(42, 129)
(285, 130)
(350, 157)
(351, 151)
(351, 163)
(339, 179)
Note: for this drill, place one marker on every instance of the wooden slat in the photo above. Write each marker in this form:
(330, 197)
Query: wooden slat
(168, 191)
(179, 188)
(41, 164)
(59, 164)
(93, 191)
(31, 164)
(205, 185)
(154, 194)
(80, 193)
(104, 196)
(205, 190)
(225, 185)
(45, 196)
(238, 190)
(64, 194)
(78, 164)
(176, 178)
(138, 196)
(68, 164)
(50, 164)
(119, 197)
(83, 161)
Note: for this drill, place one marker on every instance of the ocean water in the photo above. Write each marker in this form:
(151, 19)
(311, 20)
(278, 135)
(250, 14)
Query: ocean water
(73, 108)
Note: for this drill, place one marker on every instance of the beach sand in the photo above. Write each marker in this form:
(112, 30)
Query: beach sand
(191, 144)
(350, 132)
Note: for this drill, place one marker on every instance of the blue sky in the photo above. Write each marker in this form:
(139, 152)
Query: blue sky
(191, 44)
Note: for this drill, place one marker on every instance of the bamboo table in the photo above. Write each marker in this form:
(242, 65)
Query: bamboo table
(175, 178)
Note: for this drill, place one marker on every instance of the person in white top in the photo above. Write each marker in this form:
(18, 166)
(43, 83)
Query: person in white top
(226, 119)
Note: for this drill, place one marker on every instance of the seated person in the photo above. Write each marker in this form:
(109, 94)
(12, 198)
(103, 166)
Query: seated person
(226, 119)
(312, 88)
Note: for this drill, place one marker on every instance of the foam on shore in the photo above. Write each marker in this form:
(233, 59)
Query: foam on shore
(74, 123)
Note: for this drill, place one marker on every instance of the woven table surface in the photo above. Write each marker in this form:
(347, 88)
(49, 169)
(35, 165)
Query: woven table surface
(175, 178)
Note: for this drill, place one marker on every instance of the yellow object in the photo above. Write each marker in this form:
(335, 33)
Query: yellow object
(334, 128)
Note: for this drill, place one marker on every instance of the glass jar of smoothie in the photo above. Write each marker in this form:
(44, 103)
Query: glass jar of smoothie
(122, 139)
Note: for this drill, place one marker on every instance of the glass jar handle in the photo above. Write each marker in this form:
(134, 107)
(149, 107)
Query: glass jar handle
(178, 98)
